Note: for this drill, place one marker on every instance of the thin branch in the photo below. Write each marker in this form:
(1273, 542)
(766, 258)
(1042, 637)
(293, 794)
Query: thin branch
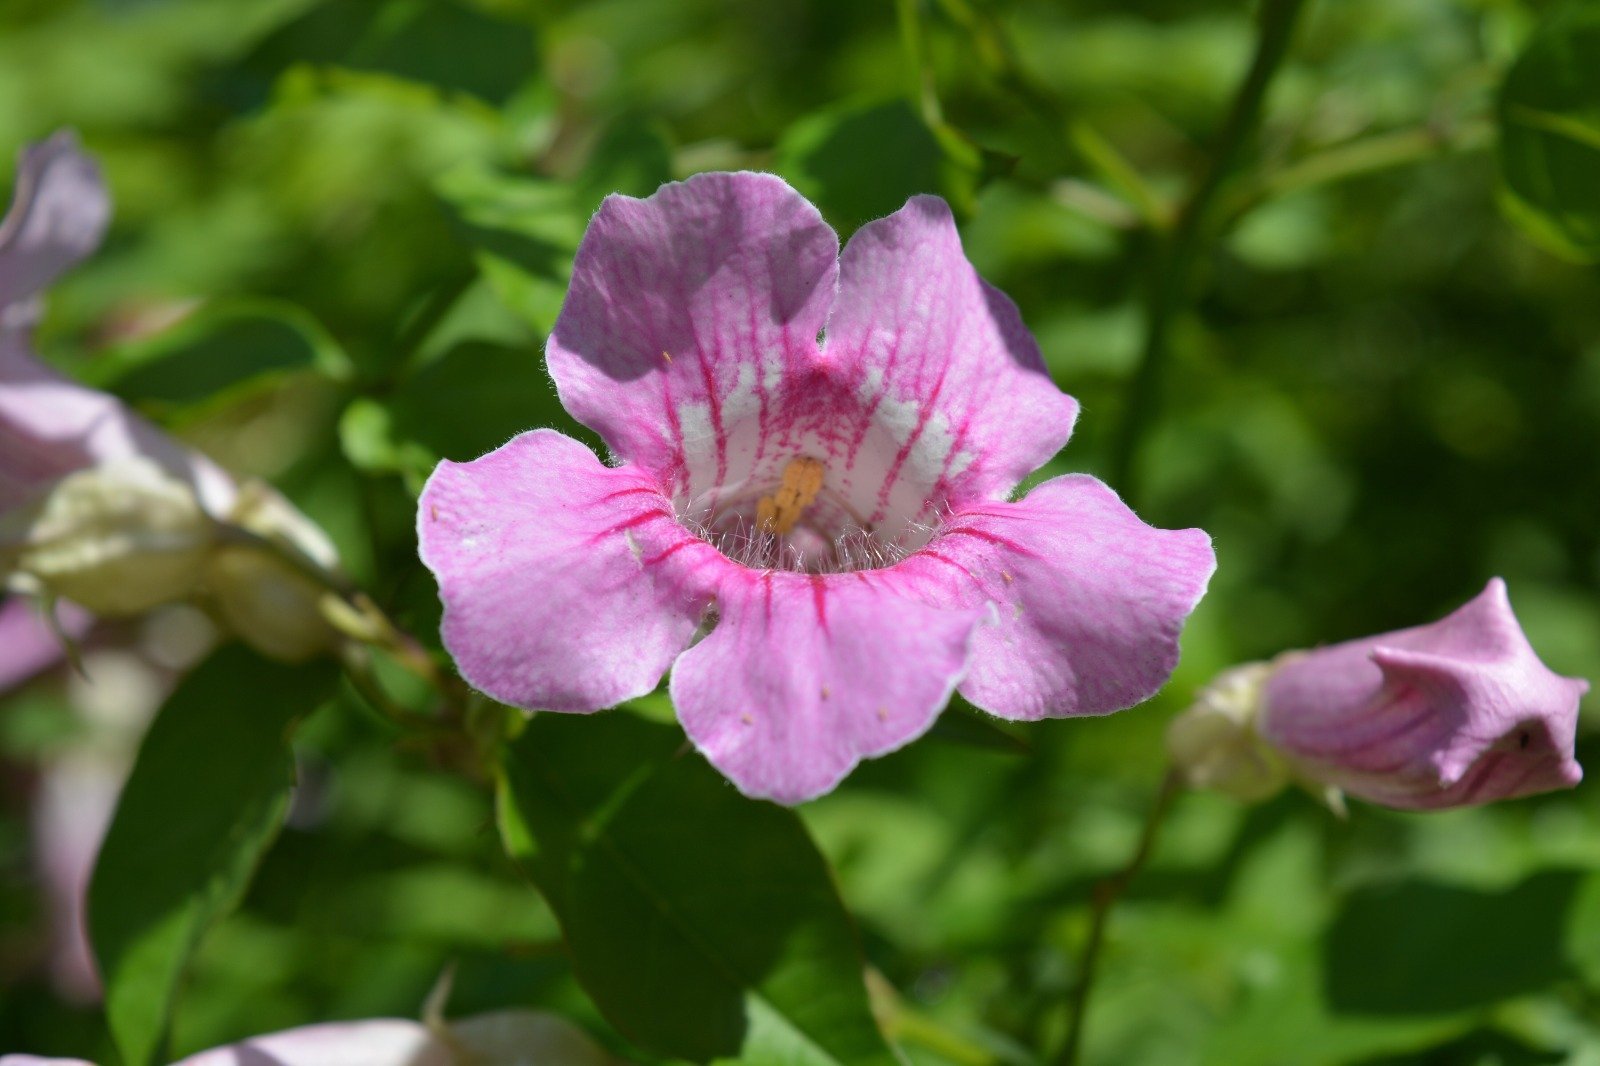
(1106, 894)
(1170, 289)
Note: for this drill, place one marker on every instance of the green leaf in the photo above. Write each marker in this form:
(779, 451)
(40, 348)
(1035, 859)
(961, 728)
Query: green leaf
(704, 925)
(454, 46)
(863, 162)
(217, 353)
(1549, 114)
(964, 724)
(633, 156)
(524, 231)
(204, 802)
(1420, 947)
(506, 389)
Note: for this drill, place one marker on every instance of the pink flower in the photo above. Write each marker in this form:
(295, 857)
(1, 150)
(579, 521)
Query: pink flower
(96, 504)
(1450, 714)
(505, 1038)
(50, 426)
(815, 455)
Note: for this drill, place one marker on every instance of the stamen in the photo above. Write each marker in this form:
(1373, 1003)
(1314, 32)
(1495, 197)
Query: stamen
(802, 480)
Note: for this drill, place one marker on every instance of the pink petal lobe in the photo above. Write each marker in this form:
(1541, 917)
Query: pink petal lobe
(687, 313)
(1457, 712)
(942, 358)
(1087, 600)
(561, 578)
(28, 646)
(805, 675)
(51, 425)
(59, 211)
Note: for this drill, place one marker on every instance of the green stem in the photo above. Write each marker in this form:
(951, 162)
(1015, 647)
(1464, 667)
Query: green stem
(914, 36)
(995, 50)
(1106, 894)
(1369, 155)
(374, 628)
(1170, 289)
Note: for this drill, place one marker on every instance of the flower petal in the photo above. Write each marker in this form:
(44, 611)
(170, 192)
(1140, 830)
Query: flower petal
(943, 360)
(59, 211)
(51, 426)
(558, 574)
(1090, 600)
(685, 315)
(1455, 712)
(805, 675)
(27, 645)
(378, 1042)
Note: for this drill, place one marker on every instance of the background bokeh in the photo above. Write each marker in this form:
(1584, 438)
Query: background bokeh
(341, 234)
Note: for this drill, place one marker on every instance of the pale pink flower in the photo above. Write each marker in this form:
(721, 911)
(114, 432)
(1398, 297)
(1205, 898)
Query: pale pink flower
(1450, 714)
(97, 504)
(815, 458)
(506, 1038)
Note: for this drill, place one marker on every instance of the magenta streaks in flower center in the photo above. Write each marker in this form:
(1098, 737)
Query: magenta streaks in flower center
(821, 482)
(815, 450)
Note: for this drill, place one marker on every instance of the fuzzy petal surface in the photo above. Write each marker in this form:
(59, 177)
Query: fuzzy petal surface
(59, 212)
(941, 359)
(805, 675)
(558, 574)
(1450, 714)
(686, 313)
(1087, 600)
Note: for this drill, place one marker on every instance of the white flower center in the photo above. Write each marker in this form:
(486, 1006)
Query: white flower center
(800, 524)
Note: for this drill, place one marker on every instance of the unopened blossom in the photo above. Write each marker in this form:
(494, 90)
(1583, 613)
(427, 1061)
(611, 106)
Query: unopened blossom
(1450, 714)
(814, 461)
(505, 1038)
(101, 513)
(97, 505)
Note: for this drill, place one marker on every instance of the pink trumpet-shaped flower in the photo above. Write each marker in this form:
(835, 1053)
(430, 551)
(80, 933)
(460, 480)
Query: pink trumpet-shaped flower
(815, 456)
(1450, 714)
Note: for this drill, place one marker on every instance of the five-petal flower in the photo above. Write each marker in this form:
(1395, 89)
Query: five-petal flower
(815, 454)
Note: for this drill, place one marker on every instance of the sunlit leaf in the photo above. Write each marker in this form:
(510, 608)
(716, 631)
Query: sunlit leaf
(1550, 133)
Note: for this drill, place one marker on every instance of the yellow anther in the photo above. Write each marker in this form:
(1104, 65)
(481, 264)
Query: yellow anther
(802, 480)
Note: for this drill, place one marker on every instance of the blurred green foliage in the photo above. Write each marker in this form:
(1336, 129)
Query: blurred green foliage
(342, 233)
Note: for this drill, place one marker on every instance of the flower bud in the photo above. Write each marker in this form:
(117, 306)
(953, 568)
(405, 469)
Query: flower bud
(117, 539)
(1214, 744)
(265, 597)
(1450, 714)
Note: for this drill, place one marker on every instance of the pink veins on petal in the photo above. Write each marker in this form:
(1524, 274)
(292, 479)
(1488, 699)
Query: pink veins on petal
(815, 453)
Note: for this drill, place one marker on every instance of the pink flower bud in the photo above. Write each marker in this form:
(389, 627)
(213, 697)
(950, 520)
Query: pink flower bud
(1450, 714)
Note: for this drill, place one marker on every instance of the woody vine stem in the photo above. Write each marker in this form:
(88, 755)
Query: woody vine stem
(1169, 293)
(1172, 282)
